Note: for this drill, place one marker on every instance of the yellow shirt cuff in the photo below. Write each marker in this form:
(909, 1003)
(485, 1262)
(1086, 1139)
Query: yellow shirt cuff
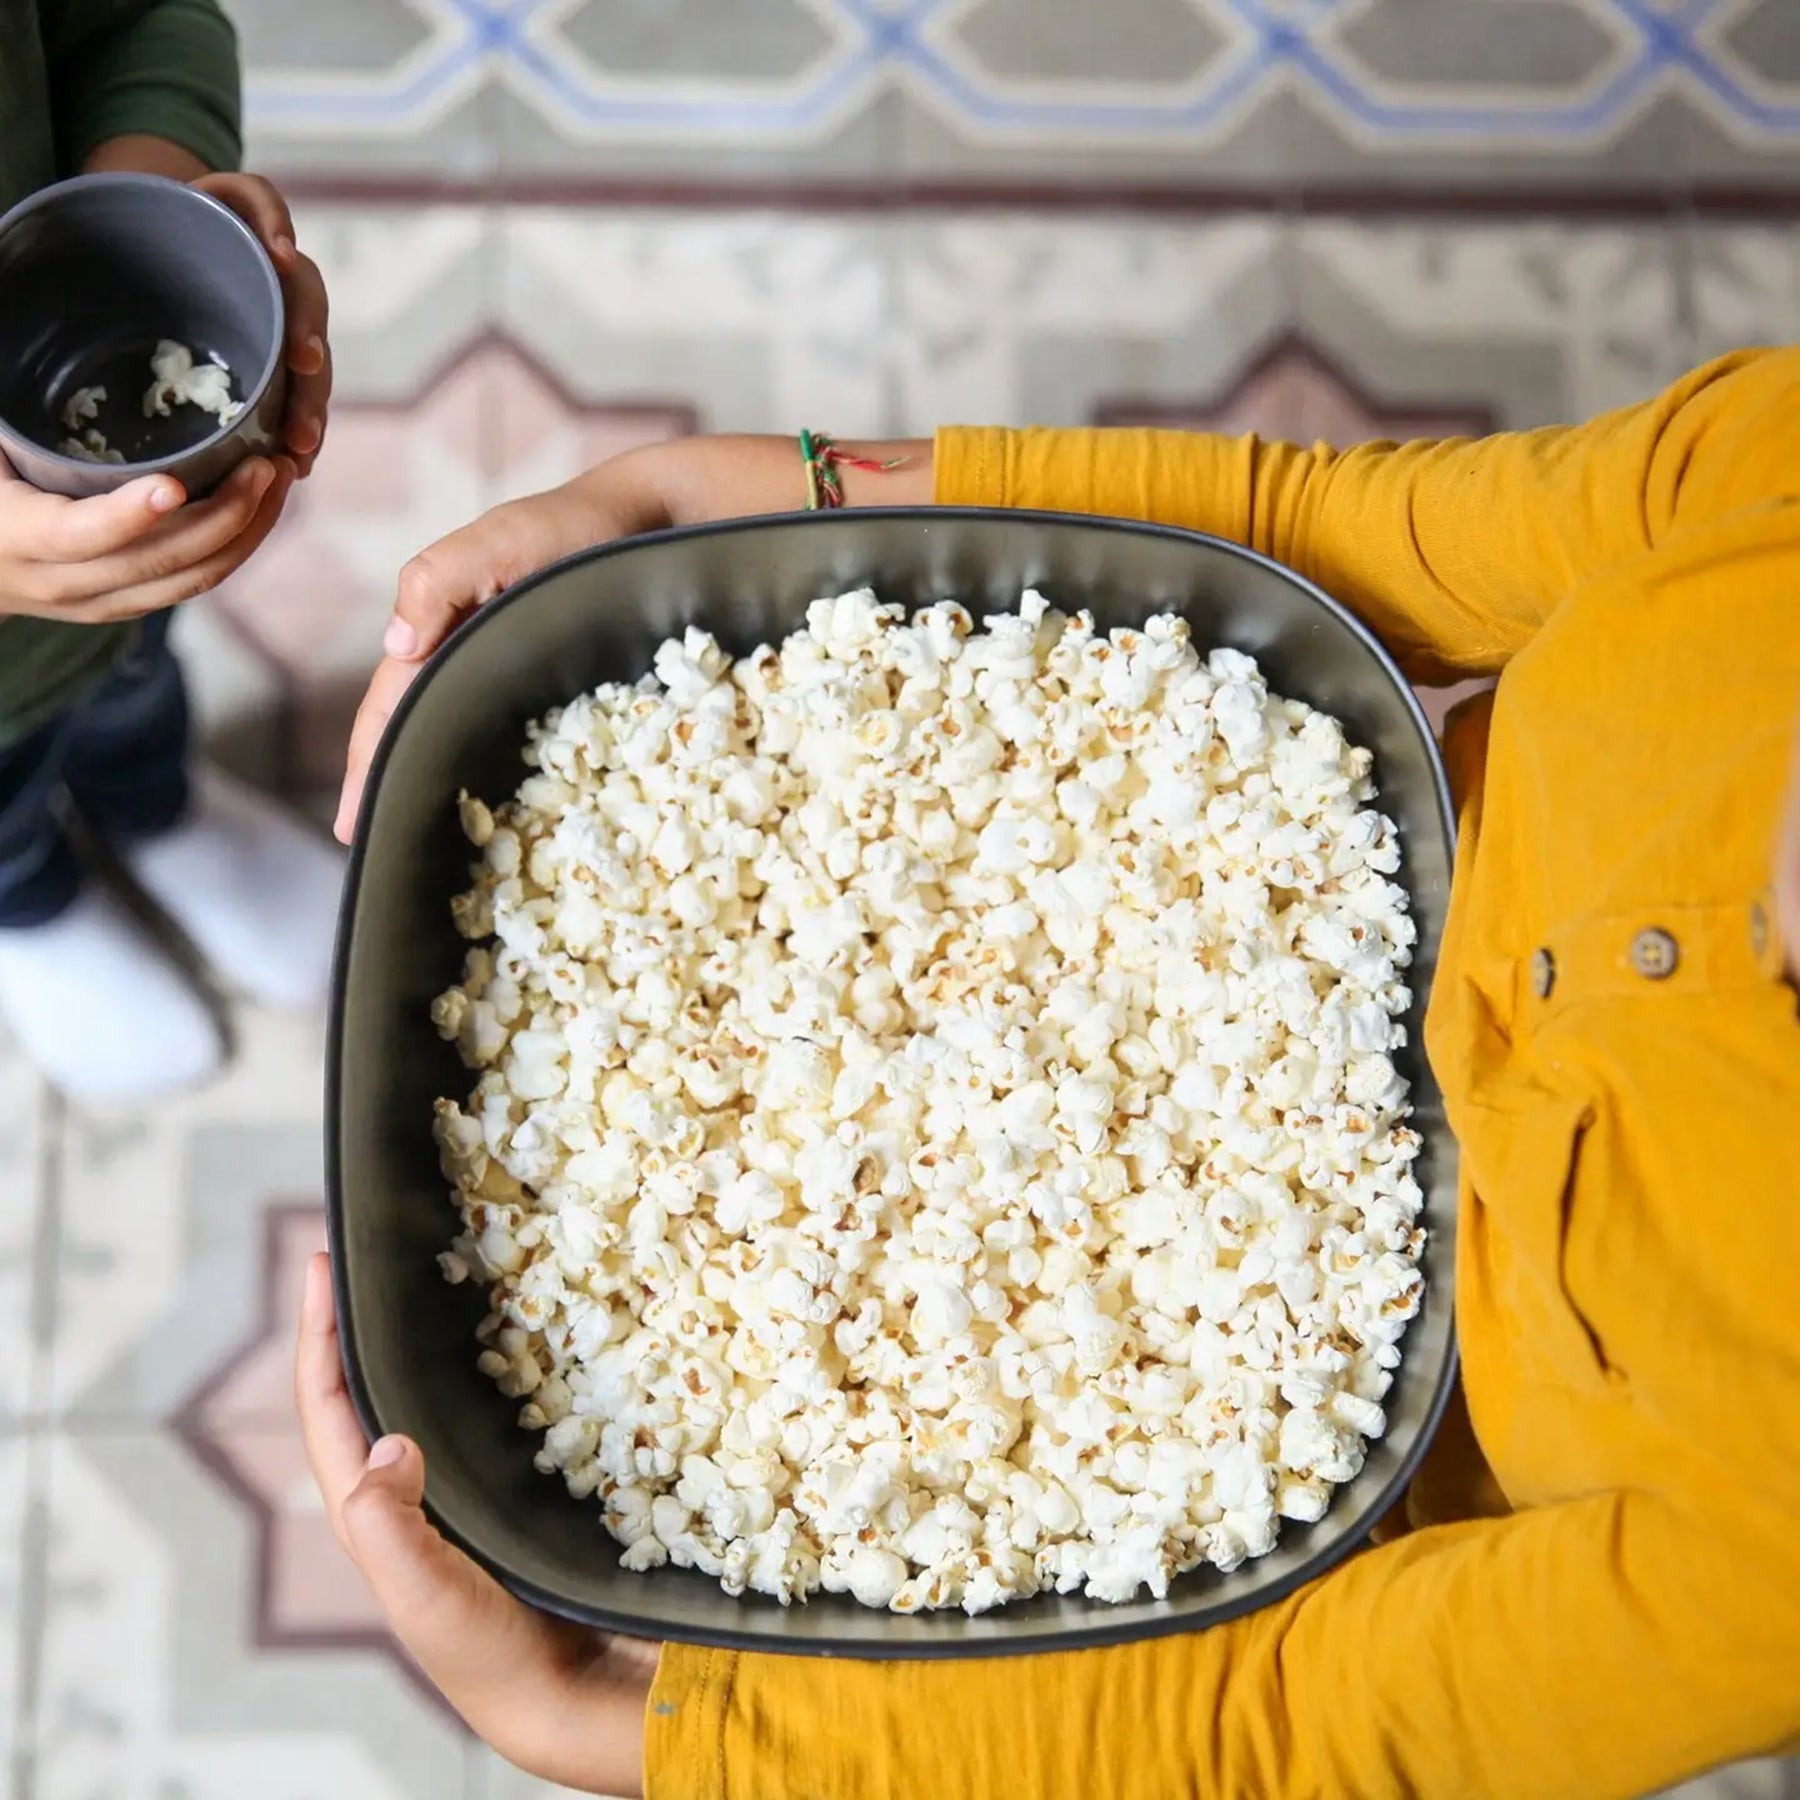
(684, 1724)
(971, 466)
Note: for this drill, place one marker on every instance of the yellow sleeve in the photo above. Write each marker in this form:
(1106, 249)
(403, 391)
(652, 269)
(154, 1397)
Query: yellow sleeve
(1599, 1648)
(1454, 553)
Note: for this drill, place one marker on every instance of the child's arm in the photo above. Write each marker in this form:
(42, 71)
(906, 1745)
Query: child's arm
(158, 95)
(139, 153)
(1453, 553)
(167, 71)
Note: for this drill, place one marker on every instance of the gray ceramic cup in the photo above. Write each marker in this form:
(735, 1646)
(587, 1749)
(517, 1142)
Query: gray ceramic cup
(93, 273)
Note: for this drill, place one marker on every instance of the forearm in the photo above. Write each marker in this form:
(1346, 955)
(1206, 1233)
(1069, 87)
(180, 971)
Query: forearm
(692, 481)
(1454, 553)
(1235, 488)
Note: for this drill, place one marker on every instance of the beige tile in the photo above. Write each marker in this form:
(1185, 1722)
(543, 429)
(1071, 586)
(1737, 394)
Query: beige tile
(18, 1599)
(1771, 1778)
(1743, 287)
(1339, 327)
(160, 1677)
(760, 321)
(28, 1129)
(1541, 322)
(282, 654)
(493, 1778)
(1017, 318)
(164, 1224)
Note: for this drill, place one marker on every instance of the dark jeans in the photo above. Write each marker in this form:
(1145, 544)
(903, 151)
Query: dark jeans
(120, 753)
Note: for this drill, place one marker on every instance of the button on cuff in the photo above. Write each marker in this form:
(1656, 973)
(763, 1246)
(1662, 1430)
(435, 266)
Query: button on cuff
(1655, 953)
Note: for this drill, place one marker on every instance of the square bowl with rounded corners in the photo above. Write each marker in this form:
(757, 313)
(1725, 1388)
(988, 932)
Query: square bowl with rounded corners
(407, 1335)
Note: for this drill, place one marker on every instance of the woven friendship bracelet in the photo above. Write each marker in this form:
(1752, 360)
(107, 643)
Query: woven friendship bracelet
(823, 459)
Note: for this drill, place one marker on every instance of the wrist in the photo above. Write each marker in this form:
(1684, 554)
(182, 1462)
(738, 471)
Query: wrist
(737, 477)
(709, 478)
(696, 480)
(631, 1666)
(140, 153)
(625, 494)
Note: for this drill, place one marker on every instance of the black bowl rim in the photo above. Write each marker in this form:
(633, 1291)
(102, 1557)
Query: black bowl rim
(1026, 1641)
(58, 190)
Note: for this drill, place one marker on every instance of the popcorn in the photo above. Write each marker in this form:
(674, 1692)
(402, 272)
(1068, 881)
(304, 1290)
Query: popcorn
(936, 1135)
(177, 380)
(86, 441)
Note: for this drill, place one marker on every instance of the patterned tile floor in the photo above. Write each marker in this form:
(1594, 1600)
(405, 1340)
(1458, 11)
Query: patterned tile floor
(552, 230)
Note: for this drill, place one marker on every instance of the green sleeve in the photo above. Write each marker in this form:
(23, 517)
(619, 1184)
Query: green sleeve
(168, 68)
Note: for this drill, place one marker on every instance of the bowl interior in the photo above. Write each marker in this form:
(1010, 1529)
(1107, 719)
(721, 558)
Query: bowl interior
(599, 617)
(94, 273)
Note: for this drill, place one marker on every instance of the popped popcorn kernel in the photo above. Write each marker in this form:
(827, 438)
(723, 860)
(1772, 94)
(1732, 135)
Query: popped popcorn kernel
(936, 1134)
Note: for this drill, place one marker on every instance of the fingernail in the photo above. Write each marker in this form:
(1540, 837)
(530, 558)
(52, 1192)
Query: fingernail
(261, 478)
(314, 351)
(164, 498)
(385, 1452)
(284, 247)
(399, 639)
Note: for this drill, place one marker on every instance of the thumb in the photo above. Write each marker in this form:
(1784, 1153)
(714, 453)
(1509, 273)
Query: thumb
(431, 1592)
(383, 1514)
(458, 1623)
(446, 581)
(391, 679)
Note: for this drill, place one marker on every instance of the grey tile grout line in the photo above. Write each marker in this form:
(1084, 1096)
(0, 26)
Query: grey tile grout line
(47, 1240)
(1682, 254)
(104, 1427)
(34, 1537)
(33, 1547)
(495, 282)
(892, 323)
(891, 326)
(490, 405)
(490, 398)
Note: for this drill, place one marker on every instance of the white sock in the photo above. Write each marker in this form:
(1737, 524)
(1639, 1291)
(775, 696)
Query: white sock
(100, 1009)
(253, 887)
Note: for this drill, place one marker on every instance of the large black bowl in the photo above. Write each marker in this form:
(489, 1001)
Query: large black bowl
(408, 1350)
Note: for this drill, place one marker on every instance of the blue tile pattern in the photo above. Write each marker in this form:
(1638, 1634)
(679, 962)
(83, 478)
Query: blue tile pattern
(1656, 52)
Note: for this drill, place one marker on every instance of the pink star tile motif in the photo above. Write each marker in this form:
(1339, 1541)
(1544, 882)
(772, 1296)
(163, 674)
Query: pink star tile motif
(240, 1425)
(493, 421)
(1296, 391)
